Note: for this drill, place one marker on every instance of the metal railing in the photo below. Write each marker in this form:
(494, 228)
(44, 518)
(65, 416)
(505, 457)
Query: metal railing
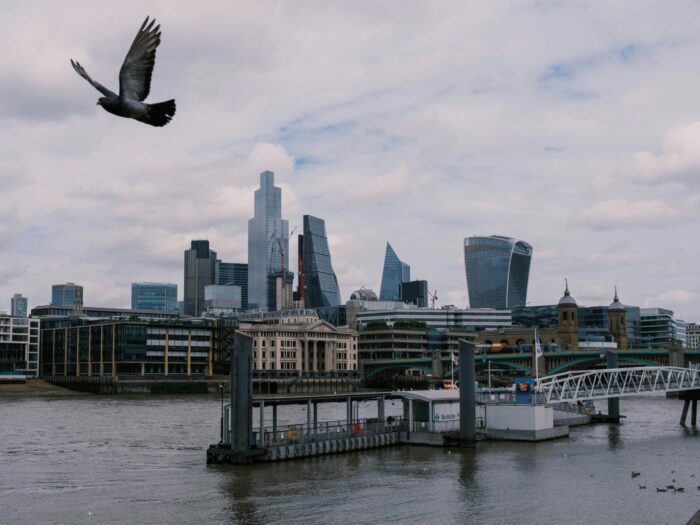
(326, 430)
(437, 427)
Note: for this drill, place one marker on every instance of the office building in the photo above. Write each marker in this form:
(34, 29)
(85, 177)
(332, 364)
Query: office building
(301, 343)
(154, 296)
(394, 273)
(126, 348)
(234, 274)
(280, 291)
(414, 292)
(67, 294)
(320, 285)
(200, 271)
(222, 299)
(93, 312)
(444, 318)
(19, 346)
(268, 242)
(18, 305)
(660, 329)
(363, 294)
(497, 269)
(692, 336)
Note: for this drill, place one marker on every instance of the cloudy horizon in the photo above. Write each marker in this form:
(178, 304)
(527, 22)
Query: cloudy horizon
(570, 126)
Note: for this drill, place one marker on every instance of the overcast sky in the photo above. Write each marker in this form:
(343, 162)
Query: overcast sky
(574, 126)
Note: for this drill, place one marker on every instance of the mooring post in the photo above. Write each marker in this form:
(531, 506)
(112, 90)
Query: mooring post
(315, 418)
(348, 418)
(467, 395)
(380, 408)
(684, 414)
(613, 402)
(308, 416)
(241, 397)
(694, 412)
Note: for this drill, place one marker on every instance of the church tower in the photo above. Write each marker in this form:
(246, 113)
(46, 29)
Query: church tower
(567, 311)
(617, 322)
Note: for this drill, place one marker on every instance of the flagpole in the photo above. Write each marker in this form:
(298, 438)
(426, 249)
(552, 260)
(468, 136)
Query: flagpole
(537, 357)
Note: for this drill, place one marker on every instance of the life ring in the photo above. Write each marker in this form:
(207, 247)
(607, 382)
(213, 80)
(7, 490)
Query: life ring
(522, 386)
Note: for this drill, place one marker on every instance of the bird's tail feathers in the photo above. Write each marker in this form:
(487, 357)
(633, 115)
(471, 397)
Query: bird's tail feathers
(160, 114)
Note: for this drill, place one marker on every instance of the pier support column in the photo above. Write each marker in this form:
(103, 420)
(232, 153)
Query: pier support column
(315, 418)
(380, 409)
(308, 416)
(410, 415)
(467, 395)
(274, 422)
(613, 402)
(349, 412)
(241, 398)
(261, 431)
(694, 412)
(684, 414)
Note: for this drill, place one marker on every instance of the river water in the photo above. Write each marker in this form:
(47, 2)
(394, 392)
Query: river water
(90, 459)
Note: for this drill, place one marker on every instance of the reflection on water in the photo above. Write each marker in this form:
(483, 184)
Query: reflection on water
(116, 460)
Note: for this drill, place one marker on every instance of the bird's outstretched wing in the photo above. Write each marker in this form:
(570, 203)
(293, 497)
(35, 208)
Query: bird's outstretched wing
(135, 74)
(99, 87)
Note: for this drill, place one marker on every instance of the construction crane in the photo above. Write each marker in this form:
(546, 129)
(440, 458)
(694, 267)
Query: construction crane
(433, 298)
(281, 246)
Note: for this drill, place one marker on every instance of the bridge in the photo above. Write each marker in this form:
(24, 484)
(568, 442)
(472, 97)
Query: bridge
(616, 382)
(522, 362)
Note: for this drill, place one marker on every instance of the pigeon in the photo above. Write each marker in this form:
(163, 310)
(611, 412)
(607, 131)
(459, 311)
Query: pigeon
(635, 474)
(135, 81)
(660, 490)
(642, 487)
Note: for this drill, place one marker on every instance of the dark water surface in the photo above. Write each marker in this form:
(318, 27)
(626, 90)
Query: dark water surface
(142, 460)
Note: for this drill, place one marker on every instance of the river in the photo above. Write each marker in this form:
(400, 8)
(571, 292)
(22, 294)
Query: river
(89, 459)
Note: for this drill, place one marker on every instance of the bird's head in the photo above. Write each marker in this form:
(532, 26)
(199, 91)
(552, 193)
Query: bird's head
(101, 101)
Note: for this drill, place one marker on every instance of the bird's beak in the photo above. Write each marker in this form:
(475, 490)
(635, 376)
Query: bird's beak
(97, 103)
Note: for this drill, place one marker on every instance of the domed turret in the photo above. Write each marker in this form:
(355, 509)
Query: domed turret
(568, 321)
(616, 304)
(617, 322)
(567, 297)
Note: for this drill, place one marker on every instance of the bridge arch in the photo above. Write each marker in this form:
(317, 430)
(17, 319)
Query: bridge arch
(397, 366)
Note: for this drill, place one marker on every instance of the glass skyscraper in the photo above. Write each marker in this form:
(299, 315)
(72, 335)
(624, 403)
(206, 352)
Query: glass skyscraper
(395, 272)
(18, 305)
(268, 241)
(498, 269)
(67, 294)
(200, 271)
(234, 274)
(154, 296)
(320, 283)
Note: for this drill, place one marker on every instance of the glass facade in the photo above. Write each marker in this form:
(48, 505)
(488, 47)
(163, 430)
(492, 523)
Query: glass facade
(68, 294)
(415, 292)
(395, 272)
(200, 271)
(234, 274)
(320, 283)
(154, 296)
(18, 305)
(19, 346)
(498, 269)
(268, 241)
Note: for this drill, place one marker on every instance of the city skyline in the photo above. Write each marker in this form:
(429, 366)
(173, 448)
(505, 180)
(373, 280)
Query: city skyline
(593, 156)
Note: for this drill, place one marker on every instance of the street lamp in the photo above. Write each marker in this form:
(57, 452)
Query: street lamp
(221, 390)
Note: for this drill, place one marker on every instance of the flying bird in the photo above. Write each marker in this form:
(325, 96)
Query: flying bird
(135, 81)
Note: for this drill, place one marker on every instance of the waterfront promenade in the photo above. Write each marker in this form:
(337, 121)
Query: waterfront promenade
(117, 459)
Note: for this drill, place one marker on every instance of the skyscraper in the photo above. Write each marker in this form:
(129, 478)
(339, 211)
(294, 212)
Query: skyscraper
(498, 269)
(67, 294)
(234, 274)
(268, 241)
(316, 271)
(18, 305)
(200, 271)
(154, 296)
(395, 272)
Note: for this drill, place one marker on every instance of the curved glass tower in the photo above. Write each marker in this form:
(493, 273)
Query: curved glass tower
(498, 269)
(320, 283)
(395, 272)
